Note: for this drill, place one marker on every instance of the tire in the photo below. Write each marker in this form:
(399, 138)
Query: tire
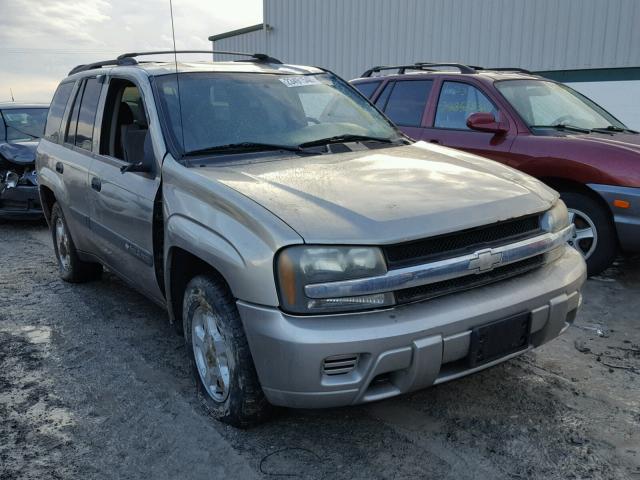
(71, 268)
(588, 215)
(220, 356)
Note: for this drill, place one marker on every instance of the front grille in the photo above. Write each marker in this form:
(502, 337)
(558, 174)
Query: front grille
(339, 364)
(468, 282)
(461, 242)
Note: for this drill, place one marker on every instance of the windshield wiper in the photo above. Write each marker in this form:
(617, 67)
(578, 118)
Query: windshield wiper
(563, 127)
(242, 147)
(613, 128)
(343, 139)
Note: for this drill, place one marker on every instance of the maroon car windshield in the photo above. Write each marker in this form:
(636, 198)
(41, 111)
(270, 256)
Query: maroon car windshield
(542, 104)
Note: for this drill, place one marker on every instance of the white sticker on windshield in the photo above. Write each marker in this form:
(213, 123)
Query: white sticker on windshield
(299, 80)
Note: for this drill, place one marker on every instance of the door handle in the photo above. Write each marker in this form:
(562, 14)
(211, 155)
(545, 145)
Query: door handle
(59, 167)
(433, 140)
(96, 184)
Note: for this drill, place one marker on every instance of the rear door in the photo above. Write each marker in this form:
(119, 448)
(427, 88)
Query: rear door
(456, 100)
(405, 103)
(122, 204)
(74, 164)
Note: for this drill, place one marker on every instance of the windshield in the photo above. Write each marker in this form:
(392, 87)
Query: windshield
(220, 109)
(543, 103)
(22, 123)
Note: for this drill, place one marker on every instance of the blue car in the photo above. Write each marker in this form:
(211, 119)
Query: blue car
(21, 126)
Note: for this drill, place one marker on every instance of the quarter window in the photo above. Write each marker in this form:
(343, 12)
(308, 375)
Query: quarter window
(87, 116)
(367, 88)
(407, 102)
(56, 111)
(72, 124)
(457, 101)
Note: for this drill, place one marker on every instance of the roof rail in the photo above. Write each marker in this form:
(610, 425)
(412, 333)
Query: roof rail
(261, 57)
(130, 58)
(425, 66)
(401, 69)
(91, 66)
(460, 66)
(504, 69)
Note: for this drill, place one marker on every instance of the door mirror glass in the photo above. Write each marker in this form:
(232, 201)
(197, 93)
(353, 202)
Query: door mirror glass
(485, 122)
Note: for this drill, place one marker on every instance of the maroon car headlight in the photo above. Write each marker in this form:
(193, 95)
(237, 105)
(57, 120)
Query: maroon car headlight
(299, 266)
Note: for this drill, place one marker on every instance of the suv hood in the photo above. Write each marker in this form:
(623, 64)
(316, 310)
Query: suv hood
(386, 195)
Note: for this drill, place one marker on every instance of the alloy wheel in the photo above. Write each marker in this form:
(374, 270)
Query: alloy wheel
(211, 354)
(585, 237)
(62, 243)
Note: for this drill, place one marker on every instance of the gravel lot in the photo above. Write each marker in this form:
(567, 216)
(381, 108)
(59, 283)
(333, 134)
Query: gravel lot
(95, 384)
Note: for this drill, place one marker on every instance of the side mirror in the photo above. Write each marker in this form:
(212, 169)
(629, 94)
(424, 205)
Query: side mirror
(486, 122)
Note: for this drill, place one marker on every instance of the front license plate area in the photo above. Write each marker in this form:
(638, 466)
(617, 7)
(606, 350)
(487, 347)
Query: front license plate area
(497, 339)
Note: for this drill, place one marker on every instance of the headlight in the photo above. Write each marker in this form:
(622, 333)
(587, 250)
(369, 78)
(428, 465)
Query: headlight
(301, 265)
(556, 218)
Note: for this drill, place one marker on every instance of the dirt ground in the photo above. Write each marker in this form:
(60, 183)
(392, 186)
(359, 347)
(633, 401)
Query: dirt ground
(95, 384)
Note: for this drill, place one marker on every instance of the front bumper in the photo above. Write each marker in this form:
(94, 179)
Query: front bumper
(627, 220)
(405, 348)
(20, 202)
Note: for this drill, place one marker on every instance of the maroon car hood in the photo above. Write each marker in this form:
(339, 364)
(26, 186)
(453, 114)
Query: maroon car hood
(628, 141)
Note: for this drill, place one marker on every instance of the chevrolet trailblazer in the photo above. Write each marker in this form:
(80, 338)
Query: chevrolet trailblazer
(310, 253)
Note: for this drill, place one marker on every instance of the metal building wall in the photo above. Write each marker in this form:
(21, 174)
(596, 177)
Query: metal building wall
(348, 36)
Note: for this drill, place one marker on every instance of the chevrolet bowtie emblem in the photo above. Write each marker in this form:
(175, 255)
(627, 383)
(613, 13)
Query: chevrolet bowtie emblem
(485, 260)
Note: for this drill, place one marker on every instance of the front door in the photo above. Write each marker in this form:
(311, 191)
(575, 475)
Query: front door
(456, 101)
(122, 204)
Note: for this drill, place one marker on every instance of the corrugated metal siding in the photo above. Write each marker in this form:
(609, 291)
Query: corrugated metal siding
(348, 36)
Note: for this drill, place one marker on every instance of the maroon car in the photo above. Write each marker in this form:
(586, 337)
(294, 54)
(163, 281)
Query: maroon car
(536, 125)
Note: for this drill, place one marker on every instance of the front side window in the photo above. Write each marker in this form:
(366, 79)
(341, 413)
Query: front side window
(457, 101)
(125, 129)
(56, 111)
(21, 124)
(542, 103)
(218, 109)
(407, 102)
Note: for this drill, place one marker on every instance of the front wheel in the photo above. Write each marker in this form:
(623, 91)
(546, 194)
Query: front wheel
(595, 235)
(225, 375)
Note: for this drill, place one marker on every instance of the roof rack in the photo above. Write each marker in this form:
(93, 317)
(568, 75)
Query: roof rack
(130, 58)
(504, 69)
(463, 68)
(425, 66)
(434, 66)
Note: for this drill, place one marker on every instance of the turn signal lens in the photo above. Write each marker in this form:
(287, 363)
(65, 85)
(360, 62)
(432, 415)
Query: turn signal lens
(621, 204)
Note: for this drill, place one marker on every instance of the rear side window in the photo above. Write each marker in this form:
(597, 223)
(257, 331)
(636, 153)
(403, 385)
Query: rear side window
(87, 115)
(407, 102)
(459, 100)
(367, 88)
(381, 102)
(56, 111)
(72, 123)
